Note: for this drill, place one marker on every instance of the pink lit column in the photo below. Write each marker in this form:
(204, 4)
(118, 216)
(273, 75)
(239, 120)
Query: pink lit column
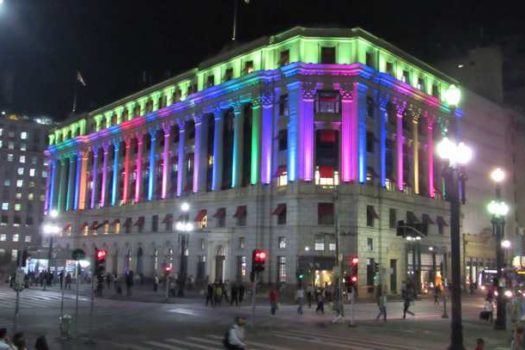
(197, 154)
(180, 168)
(306, 134)
(103, 189)
(165, 160)
(94, 178)
(430, 156)
(400, 109)
(266, 139)
(125, 190)
(348, 168)
(138, 168)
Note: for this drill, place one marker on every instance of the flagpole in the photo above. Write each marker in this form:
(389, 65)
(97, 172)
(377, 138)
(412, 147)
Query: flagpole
(235, 9)
(75, 95)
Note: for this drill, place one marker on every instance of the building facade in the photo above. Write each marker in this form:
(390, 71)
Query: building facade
(277, 145)
(23, 177)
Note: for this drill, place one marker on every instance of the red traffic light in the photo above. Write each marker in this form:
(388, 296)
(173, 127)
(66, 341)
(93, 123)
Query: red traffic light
(355, 261)
(167, 268)
(101, 254)
(354, 278)
(260, 256)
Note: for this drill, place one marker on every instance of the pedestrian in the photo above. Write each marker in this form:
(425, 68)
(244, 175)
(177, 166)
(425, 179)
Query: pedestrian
(172, 287)
(218, 294)
(488, 309)
(5, 343)
(129, 282)
(309, 295)
(406, 294)
(274, 300)
(518, 342)
(234, 295)
(155, 283)
(320, 301)
(242, 290)
(480, 344)
(299, 297)
(210, 295)
(68, 280)
(351, 303)
(41, 343)
(225, 289)
(19, 341)
(234, 337)
(108, 280)
(61, 278)
(381, 303)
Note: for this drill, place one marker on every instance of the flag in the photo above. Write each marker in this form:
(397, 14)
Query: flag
(80, 79)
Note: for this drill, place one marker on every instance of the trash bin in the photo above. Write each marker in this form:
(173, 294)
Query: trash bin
(65, 325)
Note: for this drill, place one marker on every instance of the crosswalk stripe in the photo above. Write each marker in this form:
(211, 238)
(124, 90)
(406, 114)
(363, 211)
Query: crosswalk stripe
(128, 346)
(257, 344)
(323, 342)
(162, 345)
(182, 342)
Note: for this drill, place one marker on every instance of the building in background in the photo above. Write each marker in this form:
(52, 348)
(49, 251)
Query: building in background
(274, 144)
(23, 174)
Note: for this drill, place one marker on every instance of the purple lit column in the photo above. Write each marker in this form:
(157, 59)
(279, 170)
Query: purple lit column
(430, 156)
(138, 168)
(306, 134)
(103, 187)
(165, 160)
(181, 178)
(94, 177)
(266, 139)
(383, 120)
(400, 109)
(347, 170)
(361, 110)
(198, 153)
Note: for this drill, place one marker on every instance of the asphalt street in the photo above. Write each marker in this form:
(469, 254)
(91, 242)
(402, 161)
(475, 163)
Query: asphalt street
(187, 324)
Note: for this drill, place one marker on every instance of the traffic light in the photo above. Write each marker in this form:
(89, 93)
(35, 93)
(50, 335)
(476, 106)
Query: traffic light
(354, 271)
(258, 260)
(300, 275)
(167, 269)
(100, 261)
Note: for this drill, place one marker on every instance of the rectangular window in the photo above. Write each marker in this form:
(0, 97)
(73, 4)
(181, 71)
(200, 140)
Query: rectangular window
(228, 75)
(241, 214)
(284, 58)
(16, 237)
(5, 220)
(328, 55)
(325, 213)
(10, 157)
(392, 218)
(370, 244)
(319, 244)
(19, 183)
(18, 206)
(280, 212)
(282, 242)
(14, 254)
(282, 268)
(328, 102)
(370, 142)
(241, 242)
(3, 237)
(20, 171)
(406, 77)
(210, 81)
(23, 146)
(23, 135)
(11, 145)
(32, 172)
(27, 239)
(435, 91)
(7, 182)
(155, 223)
(371, 215)
(248, 67)
(332, 246)
(421, 84)
(283, 105)
(370, 59)
(5, 206)
(390, 68)
(283, 140)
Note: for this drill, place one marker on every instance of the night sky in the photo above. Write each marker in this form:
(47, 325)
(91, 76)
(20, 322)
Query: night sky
(111, 42)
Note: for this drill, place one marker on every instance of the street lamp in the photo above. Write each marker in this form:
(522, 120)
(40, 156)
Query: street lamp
(184, 226)
(499, 209)
(458, 154)
(50, 229)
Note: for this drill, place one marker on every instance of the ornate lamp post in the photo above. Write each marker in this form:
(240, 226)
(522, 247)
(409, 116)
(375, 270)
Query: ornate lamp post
(499, 209)
(458, 154)
(50, 229)
(184, 226)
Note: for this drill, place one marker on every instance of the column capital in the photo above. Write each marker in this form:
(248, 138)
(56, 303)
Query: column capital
(384, 100)
(116, 143)
(139, 135)
(401, 106)
(198, 119)
(127, 142)
(105, 146)
(309, 89)
(181, 123)
(346, 90)
(214, 109)
(236, 107)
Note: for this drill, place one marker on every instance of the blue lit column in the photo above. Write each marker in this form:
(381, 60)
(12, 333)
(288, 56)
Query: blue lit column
(181, 173)
(294, 100)
(151, 178)
(199, 161)
(77, 180)
(238, 124)
(114, 181)
(360, 91)
(52, 184)
(61, 184)
(217, 150)
(70, 182)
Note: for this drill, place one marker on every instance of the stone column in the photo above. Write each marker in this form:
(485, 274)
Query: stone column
(78, 167)
(181, 178)
(306, 133)
(218, 150)
(152, 172)
(138, 168)
(348, 158)
(61, 184)
(52, 184)
(400, 109)
(198, 155)
(430, 155)
(83, 181)
(103, 187)
(266, 137)
(238, 142)
(125, 190)
(165, 161)
(415, 152)
(294, 109)
(116, 176)
(383, 122)
(255, 157)
(94, 178)
(360, 93)
(70, 197)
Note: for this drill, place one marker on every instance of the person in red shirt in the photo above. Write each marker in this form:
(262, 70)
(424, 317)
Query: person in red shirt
(274, 300)
(480, 344)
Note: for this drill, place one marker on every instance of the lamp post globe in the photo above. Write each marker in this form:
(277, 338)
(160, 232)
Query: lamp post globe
(497, 175)
(453, 96)
(185, 207)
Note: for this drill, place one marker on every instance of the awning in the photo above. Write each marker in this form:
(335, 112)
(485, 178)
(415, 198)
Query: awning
(200, 215)
(441, 221)
(370, 209)
(168, 219)
(101, 224)
(281, 171)
(281, 208)
(240, 212)
(220, 213)
(140, 221)
(116, 221)
(85, 224)
(326, 208)
(326, 172)
(411, 217)
(94, 225)
(427, 219)
(328, 136)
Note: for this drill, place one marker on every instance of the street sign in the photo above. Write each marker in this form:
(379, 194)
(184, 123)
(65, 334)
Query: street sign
(79, 254)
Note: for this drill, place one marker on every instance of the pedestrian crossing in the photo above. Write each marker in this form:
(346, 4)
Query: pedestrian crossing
(287, 339)
(34, 299)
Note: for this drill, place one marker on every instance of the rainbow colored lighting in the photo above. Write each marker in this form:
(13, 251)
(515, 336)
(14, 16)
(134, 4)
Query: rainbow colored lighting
(53, 182)
(114, 181)
(266, 144)
(256, 139)
(151, 178)
(77, 181)
(94, 176)
(104, 178)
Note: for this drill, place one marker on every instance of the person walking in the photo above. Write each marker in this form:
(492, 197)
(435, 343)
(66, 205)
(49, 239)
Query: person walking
(5, 343)
(320, 301)
(234, 295)
(381, 303)
(41, 343)
(299, 296)
(309, 295)
(218, 294)
(234, 337)
(210, 295)
(156, 283)
(406, 294)
(61, 278)
(437, 292)
(274, 300)
(129, 282)
(241, 292)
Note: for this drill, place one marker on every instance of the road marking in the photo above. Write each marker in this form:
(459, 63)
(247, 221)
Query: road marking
(162, 345)
(127, 346)
(257, 344)
(183, 311)
(186, 343)
(323, 342)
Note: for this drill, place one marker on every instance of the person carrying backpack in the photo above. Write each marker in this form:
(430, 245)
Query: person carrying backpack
(234, 337)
